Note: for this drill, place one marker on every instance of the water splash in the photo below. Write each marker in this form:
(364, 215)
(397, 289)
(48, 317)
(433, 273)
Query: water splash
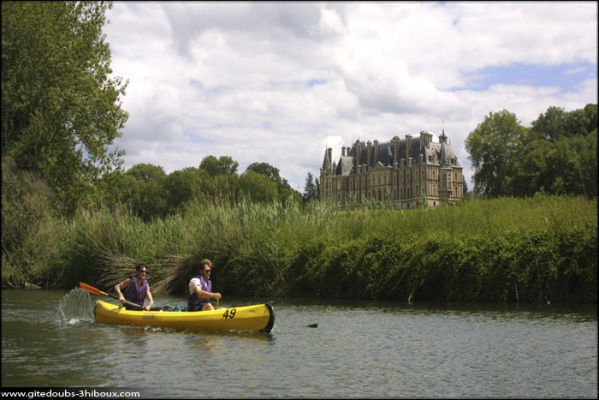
(75, 307)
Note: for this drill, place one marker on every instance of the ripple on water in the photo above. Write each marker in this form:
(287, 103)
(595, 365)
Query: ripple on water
(423, 350)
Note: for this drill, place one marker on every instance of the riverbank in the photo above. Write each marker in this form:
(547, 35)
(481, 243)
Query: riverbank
(537, 249)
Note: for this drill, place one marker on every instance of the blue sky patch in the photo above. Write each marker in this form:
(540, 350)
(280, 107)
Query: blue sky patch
(194, 137)
(564, 76)
(314, 82)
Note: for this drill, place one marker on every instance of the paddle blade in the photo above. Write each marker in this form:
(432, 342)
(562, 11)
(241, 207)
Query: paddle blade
(93, 290)
(90, 289)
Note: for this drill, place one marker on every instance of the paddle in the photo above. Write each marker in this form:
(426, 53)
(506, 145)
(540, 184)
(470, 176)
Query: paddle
(93, 290)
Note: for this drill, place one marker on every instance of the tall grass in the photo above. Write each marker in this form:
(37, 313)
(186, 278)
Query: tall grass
(529, 250)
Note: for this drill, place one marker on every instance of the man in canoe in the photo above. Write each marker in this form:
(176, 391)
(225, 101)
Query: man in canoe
(136, 289)
(200, 289)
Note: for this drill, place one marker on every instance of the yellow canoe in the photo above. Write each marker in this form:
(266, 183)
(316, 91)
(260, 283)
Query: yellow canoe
(259, 318)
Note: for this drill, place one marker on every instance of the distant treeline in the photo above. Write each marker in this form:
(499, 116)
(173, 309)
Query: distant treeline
(537, 249)
(556, 155)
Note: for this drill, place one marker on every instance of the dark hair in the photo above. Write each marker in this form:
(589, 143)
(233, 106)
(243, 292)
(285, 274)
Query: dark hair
(139, 266)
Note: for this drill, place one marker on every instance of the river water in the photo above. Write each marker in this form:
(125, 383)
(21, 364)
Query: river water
(358, 350)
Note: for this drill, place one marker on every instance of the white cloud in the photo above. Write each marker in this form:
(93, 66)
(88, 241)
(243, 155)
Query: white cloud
(278, 82)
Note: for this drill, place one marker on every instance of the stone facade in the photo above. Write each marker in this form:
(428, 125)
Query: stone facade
(407, 173)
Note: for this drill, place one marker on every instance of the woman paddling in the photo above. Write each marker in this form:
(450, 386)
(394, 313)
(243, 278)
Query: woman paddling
(136, 289)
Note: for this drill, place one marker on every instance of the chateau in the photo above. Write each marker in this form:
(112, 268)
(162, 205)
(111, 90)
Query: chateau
(407, 173)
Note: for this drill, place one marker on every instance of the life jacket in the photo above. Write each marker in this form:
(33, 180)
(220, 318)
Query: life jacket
(194, 300)
(134, 294)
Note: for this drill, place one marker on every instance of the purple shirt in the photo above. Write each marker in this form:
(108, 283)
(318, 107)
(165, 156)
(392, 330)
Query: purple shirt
(194, 300)
(134, 294)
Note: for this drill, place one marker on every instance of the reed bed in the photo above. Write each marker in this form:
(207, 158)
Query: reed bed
(516, 250)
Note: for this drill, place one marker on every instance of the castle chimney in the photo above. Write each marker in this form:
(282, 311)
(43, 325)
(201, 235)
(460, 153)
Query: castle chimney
(395, 148)
(425, 139)
(408, 145)
(376, 151)
(368, 152)
(358, 155)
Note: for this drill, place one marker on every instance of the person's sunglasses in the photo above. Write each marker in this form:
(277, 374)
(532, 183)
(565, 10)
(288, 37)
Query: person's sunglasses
(143, 271)
(207, 270)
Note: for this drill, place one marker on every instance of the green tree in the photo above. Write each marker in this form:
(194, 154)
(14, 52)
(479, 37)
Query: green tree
(285, 191)
(531, 170)
(311, 188)
(151, 202)
(146, 172)
(549, 126)
(222, 185)
(26, 206)
(128, 190)
(590, 111)
(265, 169)
(224, 165)
(60, 109)
(556, 123)
(492, 146)
(142, 189)
(559, 155)
(589, 160)
(258, 188)
(182, 187)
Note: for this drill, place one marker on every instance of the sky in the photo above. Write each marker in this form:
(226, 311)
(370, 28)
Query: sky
(280, 82)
